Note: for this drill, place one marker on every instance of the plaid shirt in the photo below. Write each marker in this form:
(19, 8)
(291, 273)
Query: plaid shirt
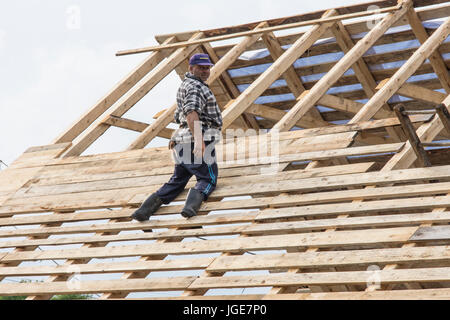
(195, 95)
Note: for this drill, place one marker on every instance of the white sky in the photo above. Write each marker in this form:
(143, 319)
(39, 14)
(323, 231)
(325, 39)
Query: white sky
(57, 57)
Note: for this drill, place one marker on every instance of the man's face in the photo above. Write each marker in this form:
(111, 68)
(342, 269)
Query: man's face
(201, 72)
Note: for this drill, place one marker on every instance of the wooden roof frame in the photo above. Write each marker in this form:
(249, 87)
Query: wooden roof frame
(344, 197)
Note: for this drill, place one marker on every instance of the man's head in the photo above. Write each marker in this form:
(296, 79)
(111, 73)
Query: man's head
(200, 65)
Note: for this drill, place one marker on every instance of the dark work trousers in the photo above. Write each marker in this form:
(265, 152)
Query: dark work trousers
(205, 170)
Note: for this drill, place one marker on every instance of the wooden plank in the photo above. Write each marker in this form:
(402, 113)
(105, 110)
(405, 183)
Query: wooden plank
(417, 92)
(101, 268)
(274, 72)
(324, 278)
(321, 259)
(132, 285)
(405, 71)
(216, 219)
(161, 152)
(370, 238)
(356, 208)
(119, 198)
(39, 156)
(322, 86)
(129, 226)
(423, 294)
(230, 172)
(147, 235)
(88, 186)
(276, 201)
(347, 223)
(431, 233)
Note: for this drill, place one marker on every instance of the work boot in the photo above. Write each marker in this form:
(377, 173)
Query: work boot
(193, 203)
(149, 207)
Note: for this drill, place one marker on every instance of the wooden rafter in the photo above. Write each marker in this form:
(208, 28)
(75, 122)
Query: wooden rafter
(132, 97)
(219, 68)
(113, 96)
(435, 58)
(274, 71)
(406, 70)
(339, 69)
(292, 79)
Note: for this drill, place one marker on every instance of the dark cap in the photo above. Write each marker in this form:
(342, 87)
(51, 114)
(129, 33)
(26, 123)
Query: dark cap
(201, 59)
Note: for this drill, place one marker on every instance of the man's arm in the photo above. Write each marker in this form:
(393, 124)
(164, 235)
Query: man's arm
(195, 126)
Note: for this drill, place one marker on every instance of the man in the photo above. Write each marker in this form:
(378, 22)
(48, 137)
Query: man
(193, 143)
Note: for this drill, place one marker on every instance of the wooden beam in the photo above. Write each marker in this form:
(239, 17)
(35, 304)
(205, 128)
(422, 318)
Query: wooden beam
(323, 278)
(136, 126)
(135, 95)
(216, 71)
(114, 95)
(227, 86)
(386, 295)
(348, 106)
(323, 20)
(426, 133)
(431, 233)
(436, 60)
(274, 72)
(406, 71)
(416, 92)
(444, 115)
(275, 114)
(412, 136)
(322, 86)
(361, 70)
(292, 79)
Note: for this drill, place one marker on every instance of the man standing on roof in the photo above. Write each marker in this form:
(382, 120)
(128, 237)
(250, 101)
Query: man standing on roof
(193, 143)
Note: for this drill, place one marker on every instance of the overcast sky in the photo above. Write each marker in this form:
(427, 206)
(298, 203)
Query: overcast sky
(57, 58)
